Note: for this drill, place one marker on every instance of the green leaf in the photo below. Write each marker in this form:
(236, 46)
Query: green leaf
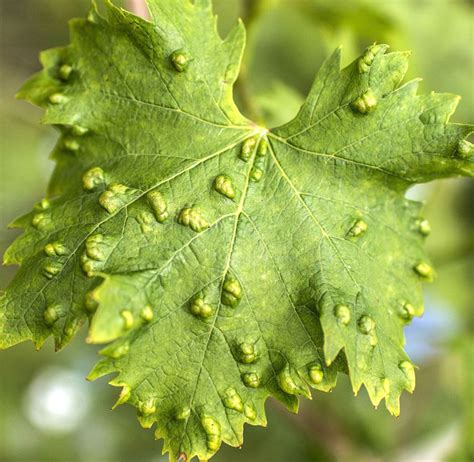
(224, 261)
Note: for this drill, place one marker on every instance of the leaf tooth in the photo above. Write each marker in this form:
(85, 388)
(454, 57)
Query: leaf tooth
(392, 403)
(146, 421)
(102, 368)
(378, 389)
(250, 412)
(124, 397)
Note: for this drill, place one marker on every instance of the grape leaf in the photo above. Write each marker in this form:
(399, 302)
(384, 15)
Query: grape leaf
(224, 262)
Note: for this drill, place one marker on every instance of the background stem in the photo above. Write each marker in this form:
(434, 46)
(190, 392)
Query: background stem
(138, 7)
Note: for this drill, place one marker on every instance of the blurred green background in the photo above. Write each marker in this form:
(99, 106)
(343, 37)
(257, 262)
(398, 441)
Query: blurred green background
(47, 410)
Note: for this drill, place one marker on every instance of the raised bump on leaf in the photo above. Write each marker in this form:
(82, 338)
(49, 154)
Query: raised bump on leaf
(250, 412)
(147, 313)
(343, 314)
(248, 353)
(180, 60)
(262, 147)
(247, 149)
(213, 431)
(409, 371)
(58, 98)
(55, 249)
(193, 218)
(91, 303)
(223, 185)
(71, 145)
(365, 103)
(41, 221)
(78, 130)
(406, 311)
(200, 308)
(93, 179)
(359, 228)
(465, 149)
(251, 379)
(65, 71)
(256, 174)
(290, 383)
(115, 197)
(52, 269)
(52, 314)
(424, 270)
(128, 319)
(148, 407)
(367, 59)
(146, 220)
(231, 292)
(98, 250)
(233, 400)
(116, 351)
(316, 374)
(366, 324)
(183, 413)
(44, 204)
(158, 204)
(424, 227)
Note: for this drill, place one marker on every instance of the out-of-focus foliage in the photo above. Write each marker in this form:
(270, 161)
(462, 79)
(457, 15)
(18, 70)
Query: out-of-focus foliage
(287, 43)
